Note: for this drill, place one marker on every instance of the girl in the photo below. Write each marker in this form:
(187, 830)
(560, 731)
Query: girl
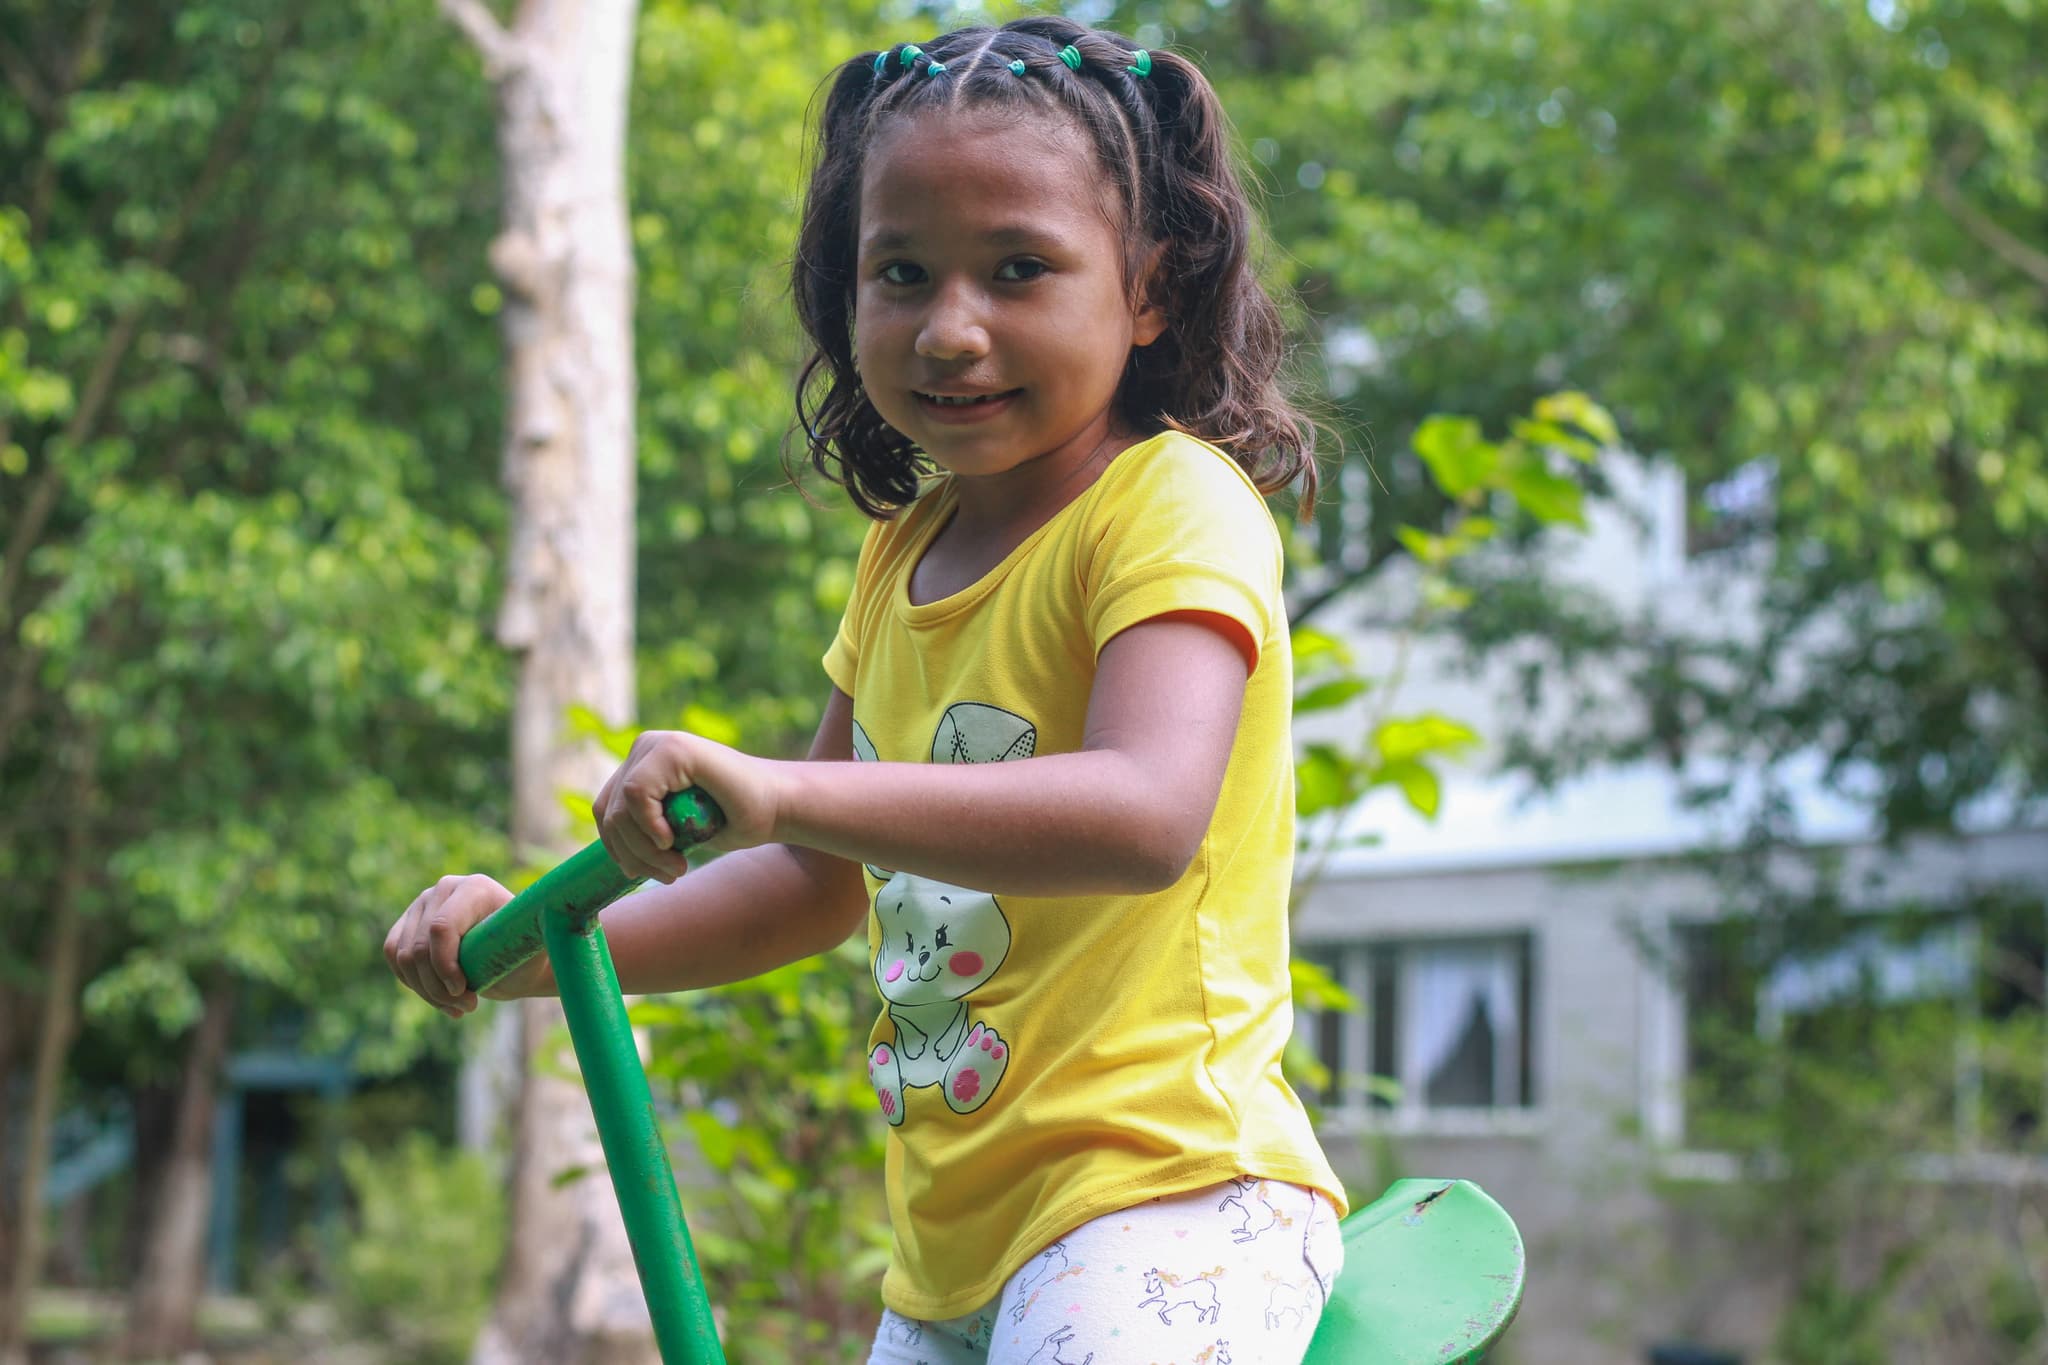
(1053, 778)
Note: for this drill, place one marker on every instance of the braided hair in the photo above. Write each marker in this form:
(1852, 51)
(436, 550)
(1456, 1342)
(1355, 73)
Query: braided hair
(1162, 146)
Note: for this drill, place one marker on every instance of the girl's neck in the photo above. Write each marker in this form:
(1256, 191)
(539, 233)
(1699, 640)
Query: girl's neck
(1006, 507)
(995, 513)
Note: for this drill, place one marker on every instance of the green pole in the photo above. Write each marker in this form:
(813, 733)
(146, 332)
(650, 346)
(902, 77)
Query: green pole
(633, 1146)
(558, 914)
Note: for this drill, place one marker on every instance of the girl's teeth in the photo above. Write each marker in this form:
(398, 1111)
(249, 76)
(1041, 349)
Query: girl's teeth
(953, 402)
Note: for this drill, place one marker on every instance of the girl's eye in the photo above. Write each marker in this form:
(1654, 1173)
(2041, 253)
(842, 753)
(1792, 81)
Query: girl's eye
(941, 941)
(901, 272)
(1020, 270)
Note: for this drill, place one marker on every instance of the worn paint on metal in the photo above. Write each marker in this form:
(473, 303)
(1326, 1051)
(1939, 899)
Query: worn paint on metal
(1433, 1272)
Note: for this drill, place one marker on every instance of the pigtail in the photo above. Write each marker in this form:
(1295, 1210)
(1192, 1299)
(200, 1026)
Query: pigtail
(846, 439)
(1216, 371)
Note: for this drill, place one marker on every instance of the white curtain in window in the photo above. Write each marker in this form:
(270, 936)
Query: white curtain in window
(1443, 983)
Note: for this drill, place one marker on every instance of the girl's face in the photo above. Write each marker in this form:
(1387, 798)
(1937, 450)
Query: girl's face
(990, 275)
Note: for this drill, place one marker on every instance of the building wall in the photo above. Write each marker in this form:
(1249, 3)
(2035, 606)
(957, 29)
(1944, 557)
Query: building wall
(1611, 1268)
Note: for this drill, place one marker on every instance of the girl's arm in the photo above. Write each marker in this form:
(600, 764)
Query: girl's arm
(745, 914)
(1123, 814)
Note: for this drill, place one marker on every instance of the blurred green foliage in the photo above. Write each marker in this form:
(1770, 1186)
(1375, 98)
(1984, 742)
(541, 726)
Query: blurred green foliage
(250, 408)
(248, 416)
(768, 1079)
(419, 1286)
(1881, 1120)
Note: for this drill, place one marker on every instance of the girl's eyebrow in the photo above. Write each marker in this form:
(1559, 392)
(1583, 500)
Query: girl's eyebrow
(1009, 235)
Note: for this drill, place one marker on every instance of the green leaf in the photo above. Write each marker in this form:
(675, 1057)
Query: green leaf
(1322, 781)
(1581, 411)
(1418, 784)
(717, 1142)
(1313, 648)
(1459, 458)
(1316, 988)
(1430, 549)
(1551, 498)
(617, 740)
(1441, 595)
(1417, 736)
(1330, 695)
(712, 725)
(1550, 436)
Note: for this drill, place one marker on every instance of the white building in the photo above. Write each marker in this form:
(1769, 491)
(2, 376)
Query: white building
(1535, 1046)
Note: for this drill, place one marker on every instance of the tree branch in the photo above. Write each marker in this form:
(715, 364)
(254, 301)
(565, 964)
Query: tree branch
(1987, 231)
(1990, 234)
(492, 40)
(14, 703)
(1337, 587)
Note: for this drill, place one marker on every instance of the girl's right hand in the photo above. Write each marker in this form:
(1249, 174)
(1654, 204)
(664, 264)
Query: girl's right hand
(423, 944)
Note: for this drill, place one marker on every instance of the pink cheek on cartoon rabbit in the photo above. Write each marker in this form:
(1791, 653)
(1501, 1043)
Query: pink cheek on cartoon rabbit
(895, 972)
(965, 964)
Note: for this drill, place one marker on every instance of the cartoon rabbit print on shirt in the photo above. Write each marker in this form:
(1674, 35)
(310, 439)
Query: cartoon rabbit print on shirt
(938, 943)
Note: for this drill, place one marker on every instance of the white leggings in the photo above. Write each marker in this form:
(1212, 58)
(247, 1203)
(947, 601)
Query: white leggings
(1234, 1274)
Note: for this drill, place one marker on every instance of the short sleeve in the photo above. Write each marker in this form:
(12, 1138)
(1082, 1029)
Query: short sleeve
(1185, 531)
(842, 656)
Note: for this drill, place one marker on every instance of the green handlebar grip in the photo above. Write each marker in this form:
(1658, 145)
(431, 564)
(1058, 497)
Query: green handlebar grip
(577, 888)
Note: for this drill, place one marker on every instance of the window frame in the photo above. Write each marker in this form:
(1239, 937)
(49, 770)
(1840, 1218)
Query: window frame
(1350, 1104)
(1667, 1046)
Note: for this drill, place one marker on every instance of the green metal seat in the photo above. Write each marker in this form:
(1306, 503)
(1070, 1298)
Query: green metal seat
(1432, 1272)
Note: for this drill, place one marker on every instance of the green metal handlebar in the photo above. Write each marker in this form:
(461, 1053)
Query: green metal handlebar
(558, 915)
(576, 889)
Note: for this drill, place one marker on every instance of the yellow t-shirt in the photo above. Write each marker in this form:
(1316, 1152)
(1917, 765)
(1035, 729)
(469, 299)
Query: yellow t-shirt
(1044, 1061)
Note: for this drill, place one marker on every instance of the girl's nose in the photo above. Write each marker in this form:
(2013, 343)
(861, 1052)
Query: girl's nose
(952, 327)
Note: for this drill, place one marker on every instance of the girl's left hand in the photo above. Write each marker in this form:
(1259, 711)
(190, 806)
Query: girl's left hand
(663, 762)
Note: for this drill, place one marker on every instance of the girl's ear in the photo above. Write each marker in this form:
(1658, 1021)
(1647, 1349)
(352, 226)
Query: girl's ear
(1148, 319)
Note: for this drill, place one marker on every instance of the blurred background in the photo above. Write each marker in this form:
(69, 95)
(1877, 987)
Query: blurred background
(392, 398)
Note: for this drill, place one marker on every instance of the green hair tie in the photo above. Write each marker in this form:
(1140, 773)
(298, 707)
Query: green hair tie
(1141, 64)
(1017, 68)
(1071, 55)
(881, 60)
(934, 68)
(909, 55)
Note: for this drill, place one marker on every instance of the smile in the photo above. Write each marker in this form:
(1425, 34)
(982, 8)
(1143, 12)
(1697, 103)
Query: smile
(956, 399)
(965, 406)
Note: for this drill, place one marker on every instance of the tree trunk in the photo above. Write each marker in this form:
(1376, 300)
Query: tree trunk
(163, 1309)
(53, 1043)
(568, 1294)
(10, 1034)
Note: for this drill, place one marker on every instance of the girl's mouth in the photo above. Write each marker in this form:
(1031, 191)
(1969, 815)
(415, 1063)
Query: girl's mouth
(964, 407)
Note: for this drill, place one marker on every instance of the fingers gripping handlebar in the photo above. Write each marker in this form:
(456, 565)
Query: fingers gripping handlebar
(577, 888)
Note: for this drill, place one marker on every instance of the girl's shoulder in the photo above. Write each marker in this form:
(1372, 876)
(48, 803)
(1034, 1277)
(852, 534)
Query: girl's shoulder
(1182, 476)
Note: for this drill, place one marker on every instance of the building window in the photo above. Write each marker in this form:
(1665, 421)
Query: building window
(1442, 1026)
(1947, 1009)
